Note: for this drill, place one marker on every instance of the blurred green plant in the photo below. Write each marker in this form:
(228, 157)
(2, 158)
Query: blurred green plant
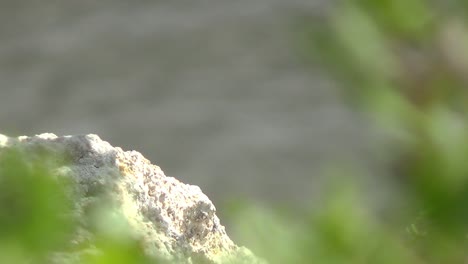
(37, 221)
(403, 64)
(33, 210)
(33, 216)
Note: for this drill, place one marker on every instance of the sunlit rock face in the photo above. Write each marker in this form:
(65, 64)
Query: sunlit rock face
(173, 220)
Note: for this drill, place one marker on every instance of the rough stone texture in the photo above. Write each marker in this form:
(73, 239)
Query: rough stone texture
(174, 220)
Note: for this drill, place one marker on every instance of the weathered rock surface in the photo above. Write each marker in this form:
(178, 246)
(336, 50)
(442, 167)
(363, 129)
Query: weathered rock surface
(174, 220)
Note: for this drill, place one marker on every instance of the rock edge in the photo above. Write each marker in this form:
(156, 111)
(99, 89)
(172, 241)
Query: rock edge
(175, 221)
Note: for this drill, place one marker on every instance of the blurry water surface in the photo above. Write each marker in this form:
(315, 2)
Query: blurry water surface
(213, 91)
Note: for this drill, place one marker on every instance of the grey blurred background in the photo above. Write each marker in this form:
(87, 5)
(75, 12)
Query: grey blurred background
(213, 91)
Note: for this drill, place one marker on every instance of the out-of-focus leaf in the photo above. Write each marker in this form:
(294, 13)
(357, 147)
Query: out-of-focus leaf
(364, 41)
(390, 110)
(409, 18)
(268, 234)
(113, 251)
(448, 132)
(347, 231)
(35, 210)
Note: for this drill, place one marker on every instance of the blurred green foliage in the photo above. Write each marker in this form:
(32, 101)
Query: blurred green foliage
(37, 218)
(33, 216)
(404, 64)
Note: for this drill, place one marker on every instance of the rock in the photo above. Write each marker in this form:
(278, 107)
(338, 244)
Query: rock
(173, 220)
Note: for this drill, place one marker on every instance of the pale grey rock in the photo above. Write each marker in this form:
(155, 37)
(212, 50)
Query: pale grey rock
(174, 221)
